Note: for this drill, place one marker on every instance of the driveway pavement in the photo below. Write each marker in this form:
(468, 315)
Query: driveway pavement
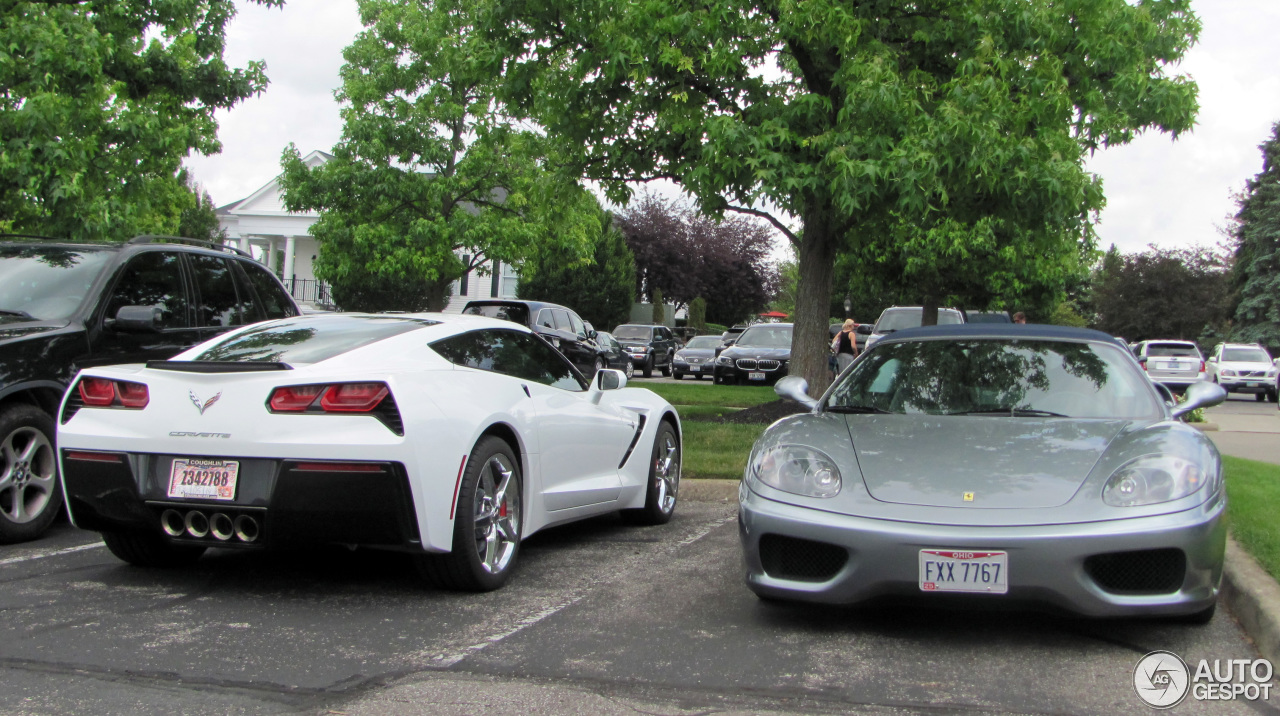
(1246, 428)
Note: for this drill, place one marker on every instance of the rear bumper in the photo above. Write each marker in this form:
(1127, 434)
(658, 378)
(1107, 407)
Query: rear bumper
(1242, 385)
(1047, 565)
(290, 502)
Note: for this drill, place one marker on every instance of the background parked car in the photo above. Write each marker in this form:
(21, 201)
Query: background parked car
(898, 317)
(1175, 364)
(730, 336)
(1243, 368)
(67, 306)
(760, 355)
(650, 347)
(613, 354)
(560, 326)
(987, 317)
(697, 358)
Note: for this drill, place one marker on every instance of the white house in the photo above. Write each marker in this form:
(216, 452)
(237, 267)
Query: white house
(259, 225)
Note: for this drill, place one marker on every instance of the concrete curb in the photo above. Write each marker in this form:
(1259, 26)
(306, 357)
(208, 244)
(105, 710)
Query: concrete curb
(1204, 427)
(1254, 598)
(704, 490)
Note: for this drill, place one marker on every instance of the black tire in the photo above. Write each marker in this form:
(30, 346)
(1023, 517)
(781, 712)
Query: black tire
(698, 376)
(142, 549)
(664, 480)
(491, 469)
(1273, 396)
(1260, 397)
(677, 375)
(648, 368)
(30, 492)
(666, 371)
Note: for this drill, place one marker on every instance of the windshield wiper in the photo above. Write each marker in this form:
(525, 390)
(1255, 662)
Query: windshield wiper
(19, 314)
(1014, 413)
(855, 409)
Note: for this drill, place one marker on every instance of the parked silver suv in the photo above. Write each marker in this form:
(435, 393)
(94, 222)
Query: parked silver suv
(898, 317)
(1244, 368)
(1174, 364)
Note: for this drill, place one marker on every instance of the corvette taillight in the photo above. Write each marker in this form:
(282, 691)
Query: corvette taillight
(332, 398)
(104, 393)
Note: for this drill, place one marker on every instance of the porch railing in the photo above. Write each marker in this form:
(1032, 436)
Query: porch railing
(309, 290)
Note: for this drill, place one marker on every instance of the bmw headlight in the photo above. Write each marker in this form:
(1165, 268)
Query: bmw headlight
(798, 470)
(724, 360)
(1154, 479)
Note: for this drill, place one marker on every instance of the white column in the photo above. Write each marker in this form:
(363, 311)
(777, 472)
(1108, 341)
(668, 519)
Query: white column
(271, 254)
(290, 246)
(244, 244)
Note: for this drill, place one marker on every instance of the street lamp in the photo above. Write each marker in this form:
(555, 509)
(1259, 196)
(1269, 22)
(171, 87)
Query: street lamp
(848, 305)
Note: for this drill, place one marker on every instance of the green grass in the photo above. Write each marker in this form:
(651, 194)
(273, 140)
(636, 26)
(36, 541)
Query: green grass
(728, 396)
(717, 450)
(1253, 491)
(704, 412)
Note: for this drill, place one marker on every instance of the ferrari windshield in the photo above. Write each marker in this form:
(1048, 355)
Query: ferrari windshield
(46, 283)
(1014, 378)
(766, 335)
(309, 339)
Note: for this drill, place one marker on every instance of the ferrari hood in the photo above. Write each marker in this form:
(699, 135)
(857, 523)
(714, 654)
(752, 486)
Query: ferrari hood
(977, 461)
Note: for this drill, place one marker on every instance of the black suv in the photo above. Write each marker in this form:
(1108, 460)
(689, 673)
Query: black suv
(649, 346)
(66, 306)
(560, 326)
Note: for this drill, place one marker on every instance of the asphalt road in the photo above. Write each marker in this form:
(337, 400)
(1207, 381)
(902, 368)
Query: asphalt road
(600, 618)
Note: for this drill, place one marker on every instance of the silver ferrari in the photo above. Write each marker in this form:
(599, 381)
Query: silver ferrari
(1010, 463)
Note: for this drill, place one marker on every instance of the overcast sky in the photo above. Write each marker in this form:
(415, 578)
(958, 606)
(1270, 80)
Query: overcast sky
(1158, 191)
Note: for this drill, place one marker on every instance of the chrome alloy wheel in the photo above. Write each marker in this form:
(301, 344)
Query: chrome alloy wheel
(497, 511)
(28, 474)
(666, 471)
(631, 369)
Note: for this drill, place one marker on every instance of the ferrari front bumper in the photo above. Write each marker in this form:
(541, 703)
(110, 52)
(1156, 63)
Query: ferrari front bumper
(1048, 565)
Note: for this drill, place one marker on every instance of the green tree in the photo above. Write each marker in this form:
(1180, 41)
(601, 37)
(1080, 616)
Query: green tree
(659, 307)
(100, 102)
(428, 182)
(601, 290)
(698, 314)
(1257, 260)
(199, 217)
(943, 140)
(1161, 293)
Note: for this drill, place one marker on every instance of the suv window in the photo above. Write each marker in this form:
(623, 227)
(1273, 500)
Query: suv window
(46, 283)
(153, 278)
(576, 322)
(219, 304)
(1180, 350)
(272, 300)
(545, 320)
(632, 333)
(516, 312)
(562, 319)
(519, 355)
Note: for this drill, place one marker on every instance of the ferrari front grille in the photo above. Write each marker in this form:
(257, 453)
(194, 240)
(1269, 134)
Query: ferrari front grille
(800, 560)
(1147, 571)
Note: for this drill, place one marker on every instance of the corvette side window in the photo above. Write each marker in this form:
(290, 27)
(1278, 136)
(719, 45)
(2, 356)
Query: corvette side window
(519, 355)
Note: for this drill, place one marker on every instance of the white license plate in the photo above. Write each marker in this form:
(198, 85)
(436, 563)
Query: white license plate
(1173, 366)
(944, 570)
(203, 479)
(755, 376)
(1251, 384)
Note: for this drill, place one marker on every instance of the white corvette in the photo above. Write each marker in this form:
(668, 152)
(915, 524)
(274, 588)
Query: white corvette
(448, 437)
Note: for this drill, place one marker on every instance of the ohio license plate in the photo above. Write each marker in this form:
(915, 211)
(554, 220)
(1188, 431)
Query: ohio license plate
(961, 571)
(755, 376)
(203, 479)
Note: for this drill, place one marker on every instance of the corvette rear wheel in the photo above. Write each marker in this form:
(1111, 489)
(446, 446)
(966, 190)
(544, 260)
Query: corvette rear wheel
(486, 531)
(664, 481)
(29, 491)
(147, 550)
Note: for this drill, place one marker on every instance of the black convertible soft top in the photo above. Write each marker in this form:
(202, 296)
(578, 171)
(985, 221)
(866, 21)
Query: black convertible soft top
(1030, 331)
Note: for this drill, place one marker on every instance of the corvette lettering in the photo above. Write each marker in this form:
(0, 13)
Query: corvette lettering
(181, 434)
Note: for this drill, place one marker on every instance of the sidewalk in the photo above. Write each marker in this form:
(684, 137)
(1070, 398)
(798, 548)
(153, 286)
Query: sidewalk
(1253, 437)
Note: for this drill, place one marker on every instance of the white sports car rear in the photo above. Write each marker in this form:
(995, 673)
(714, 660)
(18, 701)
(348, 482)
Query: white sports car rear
(448, 437)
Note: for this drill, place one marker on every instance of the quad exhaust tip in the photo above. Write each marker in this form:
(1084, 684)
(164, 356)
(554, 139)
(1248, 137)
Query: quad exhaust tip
(221, 527)
(246, 528)
(197, 524)
(172, 522)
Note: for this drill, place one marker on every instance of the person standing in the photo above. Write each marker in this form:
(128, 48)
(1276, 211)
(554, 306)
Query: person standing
(846, 345)
(1019, 317)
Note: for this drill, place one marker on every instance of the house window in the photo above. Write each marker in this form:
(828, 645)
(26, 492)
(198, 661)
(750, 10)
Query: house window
(509, 281)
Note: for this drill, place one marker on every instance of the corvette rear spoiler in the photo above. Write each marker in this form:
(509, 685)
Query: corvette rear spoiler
(217, 366)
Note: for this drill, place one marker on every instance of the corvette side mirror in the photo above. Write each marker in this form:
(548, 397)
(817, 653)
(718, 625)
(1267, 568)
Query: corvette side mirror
(606, 379)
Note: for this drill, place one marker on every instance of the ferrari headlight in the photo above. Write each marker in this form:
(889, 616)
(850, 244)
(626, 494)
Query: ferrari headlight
(1153, 479)
(798, 470)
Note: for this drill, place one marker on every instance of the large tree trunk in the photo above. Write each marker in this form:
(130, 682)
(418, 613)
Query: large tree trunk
(811, 344)
(929, 312)
(438, 294)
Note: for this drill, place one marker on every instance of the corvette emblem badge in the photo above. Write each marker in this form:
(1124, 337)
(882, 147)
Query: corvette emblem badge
(205, 405)
(968, 496)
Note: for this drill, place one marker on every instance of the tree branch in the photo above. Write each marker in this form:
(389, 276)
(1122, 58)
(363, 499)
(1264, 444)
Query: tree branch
(770, 218)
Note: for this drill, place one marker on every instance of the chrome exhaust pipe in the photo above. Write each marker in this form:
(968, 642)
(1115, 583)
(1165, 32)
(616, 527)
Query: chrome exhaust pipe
(221, 527)
(171, 521)
(197, 524)
(246, 528)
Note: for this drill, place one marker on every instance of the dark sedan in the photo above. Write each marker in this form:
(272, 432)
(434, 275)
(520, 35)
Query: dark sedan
(760, 355)
(612, 354)
(697, 358)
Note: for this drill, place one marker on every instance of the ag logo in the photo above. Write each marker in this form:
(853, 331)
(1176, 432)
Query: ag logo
(205, 405)
(1161, 679)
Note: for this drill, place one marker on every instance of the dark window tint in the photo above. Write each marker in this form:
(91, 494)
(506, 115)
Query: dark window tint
(562, 319)
(219, 304)
(271, 298)
(46, 283)
(576, 324)
(545, 320)
(309, 339)
(516, 313)
(520, 355)
(1180, 350)
(632, 333)
(153, 278)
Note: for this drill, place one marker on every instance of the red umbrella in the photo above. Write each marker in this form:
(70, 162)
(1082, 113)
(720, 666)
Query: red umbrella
(774, 314)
